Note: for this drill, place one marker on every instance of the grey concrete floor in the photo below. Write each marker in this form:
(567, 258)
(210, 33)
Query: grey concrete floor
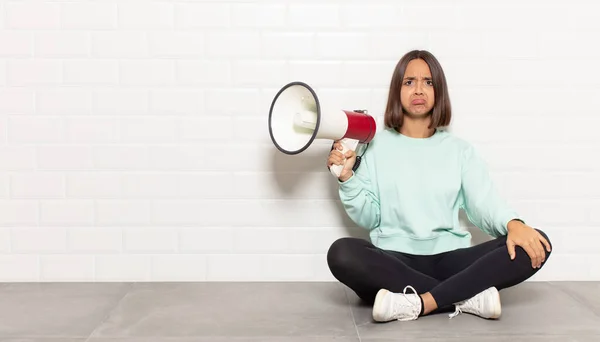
(273, 312)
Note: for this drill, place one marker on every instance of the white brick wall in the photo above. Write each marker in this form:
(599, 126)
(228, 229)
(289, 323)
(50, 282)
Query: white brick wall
(134, 143)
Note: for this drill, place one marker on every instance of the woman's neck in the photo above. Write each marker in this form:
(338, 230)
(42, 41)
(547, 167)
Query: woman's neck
(416, 128)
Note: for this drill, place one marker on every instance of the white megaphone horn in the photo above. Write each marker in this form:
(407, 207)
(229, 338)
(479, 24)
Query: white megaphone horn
(296, 120)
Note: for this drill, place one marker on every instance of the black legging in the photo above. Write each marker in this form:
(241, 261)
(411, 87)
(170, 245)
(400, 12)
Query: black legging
(450, 277)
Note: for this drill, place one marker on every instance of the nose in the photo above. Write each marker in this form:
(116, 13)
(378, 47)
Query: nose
(419, 88)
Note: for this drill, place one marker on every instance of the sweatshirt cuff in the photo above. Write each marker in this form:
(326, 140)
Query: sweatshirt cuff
(511, 217)
(351, 185)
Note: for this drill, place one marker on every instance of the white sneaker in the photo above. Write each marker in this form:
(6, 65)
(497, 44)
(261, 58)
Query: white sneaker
(396, 306)
(485, 304)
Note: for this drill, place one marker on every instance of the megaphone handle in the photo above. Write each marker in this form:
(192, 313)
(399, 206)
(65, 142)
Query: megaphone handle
(347, 145)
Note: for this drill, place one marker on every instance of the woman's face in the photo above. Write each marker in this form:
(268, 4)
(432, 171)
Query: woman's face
(416, 93)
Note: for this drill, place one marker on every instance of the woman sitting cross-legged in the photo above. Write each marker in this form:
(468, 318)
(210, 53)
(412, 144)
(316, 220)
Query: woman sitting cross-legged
(408, 190)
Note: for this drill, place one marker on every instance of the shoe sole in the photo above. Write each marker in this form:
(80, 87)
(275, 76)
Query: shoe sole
(377, 305)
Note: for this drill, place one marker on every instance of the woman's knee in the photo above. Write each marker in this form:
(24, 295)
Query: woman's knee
(343, 252)
(526, 258)
(545, 237)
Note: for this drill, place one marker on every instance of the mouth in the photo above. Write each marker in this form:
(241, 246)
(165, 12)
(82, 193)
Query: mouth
(418, 102)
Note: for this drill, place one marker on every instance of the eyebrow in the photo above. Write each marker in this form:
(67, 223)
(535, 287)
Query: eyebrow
(412, 78)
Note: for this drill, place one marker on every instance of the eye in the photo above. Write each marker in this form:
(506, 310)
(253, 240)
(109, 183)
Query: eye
(430, 83)
(407, 82)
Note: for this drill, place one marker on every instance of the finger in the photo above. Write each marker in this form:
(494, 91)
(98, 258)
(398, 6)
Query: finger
(537, 248)
(511, 249)
(336, 153)
(336, 156)
(349, 154)
(334, 160)
(531, 254)
(541, 252)
(545, 242)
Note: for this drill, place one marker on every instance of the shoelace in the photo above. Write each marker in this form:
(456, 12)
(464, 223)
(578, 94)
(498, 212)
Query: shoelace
(467, 302)
(415, 306)
(455, 313)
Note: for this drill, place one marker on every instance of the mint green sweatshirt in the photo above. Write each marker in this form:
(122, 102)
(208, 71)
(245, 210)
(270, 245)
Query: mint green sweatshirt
(408, 192)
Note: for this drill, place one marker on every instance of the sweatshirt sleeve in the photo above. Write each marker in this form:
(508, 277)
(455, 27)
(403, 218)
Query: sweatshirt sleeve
(359, 196)
(481, 201)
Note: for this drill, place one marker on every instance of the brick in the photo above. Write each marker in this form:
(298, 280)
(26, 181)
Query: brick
(392, 44)
(119, 44)
(17, 158)
(17, 212)
(178, 101)
(89, 15)
(316, 73)
(93, 185)
(259, 73)
(17, 101)
(365, 16)
(63, 101)
(19, 268)
(153, 15)
(363, 74)
(30, 129)
(206, 129)
(91, 72)
(176, 44)
(288, 45)
(88, 130)
(234, 267)
(37, 185)
(150, 240)
(202, 15)
(313, 16)
(219, 102)
(147, 72)
(120, 157)
(182, 157)
(148, 130)
(123, 267)
(64, 158)
(33, 72)
(122, 212)
(206, 240)
(343, 46)
(66, 268)
(32, 15)
(262, 15)
(95, 240)
(215, 73)
(179, 267)
(233, 44)
(70, 212)
(4, 189)
(120, 101)
(5, 241)
(62, 44)
(16, 43)
(35, 240)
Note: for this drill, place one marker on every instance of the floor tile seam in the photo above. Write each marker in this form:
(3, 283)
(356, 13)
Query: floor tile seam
(130, 288)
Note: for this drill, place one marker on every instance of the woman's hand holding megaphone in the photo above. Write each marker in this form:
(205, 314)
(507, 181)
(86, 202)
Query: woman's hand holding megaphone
(347, 160)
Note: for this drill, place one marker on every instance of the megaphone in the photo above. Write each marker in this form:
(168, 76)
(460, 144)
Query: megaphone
(296, 121)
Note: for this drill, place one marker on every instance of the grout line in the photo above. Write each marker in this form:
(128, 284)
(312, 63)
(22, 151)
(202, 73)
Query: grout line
(110, 312)
(351, 313)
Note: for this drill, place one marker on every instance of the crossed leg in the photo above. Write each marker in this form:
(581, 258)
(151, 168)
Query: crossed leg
(445, 278)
